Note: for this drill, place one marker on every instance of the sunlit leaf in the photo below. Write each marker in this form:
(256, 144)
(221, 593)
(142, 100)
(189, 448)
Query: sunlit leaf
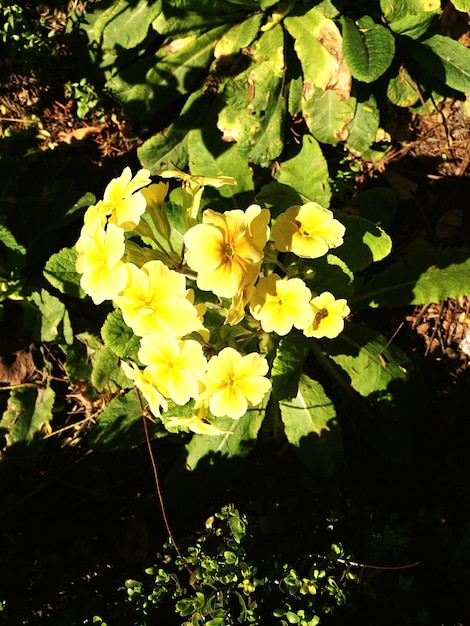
(364, 243)
(368, 48)
(327, 116)
(128, 23)
(307, 172)
(61, 273)
(118, 337)
(363, 127)
(29, 410)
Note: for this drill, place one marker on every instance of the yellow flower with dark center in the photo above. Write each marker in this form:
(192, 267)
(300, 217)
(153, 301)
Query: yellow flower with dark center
(226, 250)
(175, 367)
(99, 260)
(156, 301)
(308, 231)
(329, 314)
(233, 383)
(281, 303)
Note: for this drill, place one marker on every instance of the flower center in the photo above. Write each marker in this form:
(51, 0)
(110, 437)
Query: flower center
(319, 316)
(229, 250)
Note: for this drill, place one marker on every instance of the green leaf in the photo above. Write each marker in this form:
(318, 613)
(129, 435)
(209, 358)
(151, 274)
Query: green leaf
(157, 84)
(311, 427)
(364, 243)
(255, 106)
(402, 89)
(327, 115)
(461, 5)
(319, 62)
(168, 149)
(307, 173)
(118, 337)
(55, 321)
(238, 37)
(29, 411)
(368, 48)
(129, 23)
(331, 274)
(419, 277)
(210, 156)
(447, 59)
(107, 373)
(238, 439)
(8, 239)
(61, 273)
(287, 365)
(364, 126)
(277, 197)
(120, 427)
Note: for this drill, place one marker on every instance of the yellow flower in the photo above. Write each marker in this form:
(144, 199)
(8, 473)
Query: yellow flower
(99, 260)
(308, 231)
(329, 316)
(281, 303)
(156, 301)
(95, 218)
(124, 200)
(175, 367)
(154, 196)
(233, 382)
(144, 383)
(198, 424)
(226, 250)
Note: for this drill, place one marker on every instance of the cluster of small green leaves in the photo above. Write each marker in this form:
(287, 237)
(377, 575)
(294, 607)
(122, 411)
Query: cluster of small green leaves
(23, 36)
(227, 587)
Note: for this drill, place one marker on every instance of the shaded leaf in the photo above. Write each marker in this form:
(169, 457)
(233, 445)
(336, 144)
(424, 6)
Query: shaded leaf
(364, 242)
(107, 373)
(311, 427)
(419, 277)
(29, 410)
(287, 365)
(449, 59)
(128, 23)
(54, 319)
(362, 130)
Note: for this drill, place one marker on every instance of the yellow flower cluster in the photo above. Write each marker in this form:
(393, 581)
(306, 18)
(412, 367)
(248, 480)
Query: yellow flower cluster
(224, 254)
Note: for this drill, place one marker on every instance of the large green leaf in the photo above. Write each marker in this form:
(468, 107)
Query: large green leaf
(29, 411)
(461, 5)
(364, 243)
(128, 23)
(287, 365)
(447, 59)
(254, 112)
(119, 426)
(368, 48)
(61, 273)
(307, 173)
(174, 23)
(311, 427)
(317, 41)
(107, 373)
(155, 85)
(210, 156)
(118, 337)
(54, 318)
(238, 36)
(419, 277)
(364, 126)
(239, 438)
(327, 115)
(168, 148)
(410, 17)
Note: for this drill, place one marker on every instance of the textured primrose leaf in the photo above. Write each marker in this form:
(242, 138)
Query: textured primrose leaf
(55, 321)
(119, 426)
(61, 273)
(238, 36)
(327, 116)
(411, 18)
(461, 5)
(311, 427)
(239, 438)
(364, 243)
(157, 84)
(107, 373)
(402, 89)
(210, 156)
(287, 365)
(129, 23)
(307, 173)
(118, 337)
(317, 42)
(364, 126)
(167, 149)
(254, 113)
(368, 48)
(29, 410)
(419, 277)
(447, 59)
